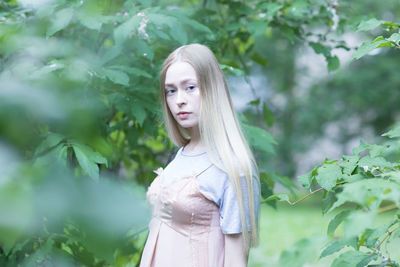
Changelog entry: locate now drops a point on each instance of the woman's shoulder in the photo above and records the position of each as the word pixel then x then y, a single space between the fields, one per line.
pixel 214 181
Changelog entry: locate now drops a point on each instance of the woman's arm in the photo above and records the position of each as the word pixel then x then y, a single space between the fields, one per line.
pixel 235 256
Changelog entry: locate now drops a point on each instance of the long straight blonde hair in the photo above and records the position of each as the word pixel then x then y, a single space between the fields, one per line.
pixel 219 128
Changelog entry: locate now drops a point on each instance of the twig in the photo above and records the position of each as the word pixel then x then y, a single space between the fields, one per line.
pixel 248 81
pixel 309 194
pixel 388 234
pixel 306 196
pixel 246 74
pixel 389 207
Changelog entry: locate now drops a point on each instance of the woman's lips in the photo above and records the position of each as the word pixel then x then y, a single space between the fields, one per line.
pixel 183 115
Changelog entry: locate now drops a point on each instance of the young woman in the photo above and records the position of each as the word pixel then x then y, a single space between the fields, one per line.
pixel 205 203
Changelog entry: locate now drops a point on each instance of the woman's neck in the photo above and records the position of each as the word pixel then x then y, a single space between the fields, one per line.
pixel 195 144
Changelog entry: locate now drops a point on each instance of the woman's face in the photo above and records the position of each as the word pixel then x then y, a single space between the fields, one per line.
pixel 182 94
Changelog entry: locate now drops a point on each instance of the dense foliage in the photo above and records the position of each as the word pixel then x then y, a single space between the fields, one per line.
pixel 362 186
pixel 81 131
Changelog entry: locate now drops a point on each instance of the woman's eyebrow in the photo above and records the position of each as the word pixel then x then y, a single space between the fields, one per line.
pixel 189 81
pixel 169 85
pixel 185 81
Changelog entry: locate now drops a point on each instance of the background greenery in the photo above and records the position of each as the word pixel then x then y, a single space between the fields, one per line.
pixel 81 128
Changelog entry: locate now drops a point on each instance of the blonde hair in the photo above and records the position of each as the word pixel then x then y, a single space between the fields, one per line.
pixel 219 128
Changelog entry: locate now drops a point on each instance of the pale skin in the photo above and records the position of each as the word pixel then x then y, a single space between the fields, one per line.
pixel 184 101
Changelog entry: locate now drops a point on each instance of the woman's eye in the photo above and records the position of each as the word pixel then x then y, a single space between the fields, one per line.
pixel 192 87
pixel 170 91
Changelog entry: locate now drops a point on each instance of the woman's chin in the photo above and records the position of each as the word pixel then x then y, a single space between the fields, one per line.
pixel 187 124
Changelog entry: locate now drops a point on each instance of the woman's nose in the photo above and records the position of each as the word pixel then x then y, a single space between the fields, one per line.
pixel 180 98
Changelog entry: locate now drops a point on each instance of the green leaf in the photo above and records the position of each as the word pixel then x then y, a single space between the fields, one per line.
pixel 320 49
pixel 352 178
pixel 394 175
pixel 179 33
pixel 88 159
pixel 366 47
pixel 395 37
pixel 231 70
pixel 337 245
pixel 289 33
pixel 162 19
pixel 268 116
pixel 259 59
pixel 93 155
pixel 395 132
pixel 333 63
pixel 176 29
pixel 357 222
pixel 255 102
pixel 117 76
pixel 328 200
pixel 376 150
pixel 193 24
pixel 299 8
pixel 89 166
pixel 121 102
pixel 267 185
pixel 144 49
pixel 368 193
pixel 327 176
pixel 162 35
pixel 126 29
pixel 336 221
pixel 373 235
pixel 353 259
pixel 374 162
pixel 306 179
pixel 139 72
pixel 365 261
pixel 132 70
pixel 369 24
pixel 259 138
pixel 327 161
pixel 357 150
pixel 279 197
pixel 63 155
pixel 271 8
pixel 257 28
pixel 266 191
pixel 91 22
pixel 60 20
pixel 284 181
pixel 90 15
pixel 234 27
pixel 51 140
pixel 349 163
pixel 50 67
pixel 110 54
pixel 139 112
pixel 52 155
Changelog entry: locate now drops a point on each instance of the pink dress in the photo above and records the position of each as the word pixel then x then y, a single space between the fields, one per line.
pixel 185 226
